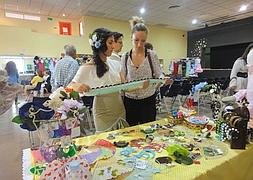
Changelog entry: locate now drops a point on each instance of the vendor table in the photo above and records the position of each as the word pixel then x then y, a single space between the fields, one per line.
pixel 234 165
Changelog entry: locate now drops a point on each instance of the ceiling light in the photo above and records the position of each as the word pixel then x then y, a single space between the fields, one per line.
pixel 63 15
pixel 14 15
pixel 243 8
pixel 22 16
pixel 194 21
pixel 30 17
pixel 142 10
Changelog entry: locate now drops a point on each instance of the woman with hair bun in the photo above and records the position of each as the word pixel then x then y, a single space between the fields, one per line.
pixel 108 110
pixel 137 64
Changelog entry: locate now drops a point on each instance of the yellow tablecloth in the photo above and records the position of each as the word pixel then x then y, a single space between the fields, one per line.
pixel 235 165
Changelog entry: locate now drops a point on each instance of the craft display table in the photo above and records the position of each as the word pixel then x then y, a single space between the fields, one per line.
pixel 233 165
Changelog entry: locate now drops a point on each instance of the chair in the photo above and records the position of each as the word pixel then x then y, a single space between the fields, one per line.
pixel 173 93
pixel 186 87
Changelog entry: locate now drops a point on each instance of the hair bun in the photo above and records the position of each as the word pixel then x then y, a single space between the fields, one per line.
pixel 135 20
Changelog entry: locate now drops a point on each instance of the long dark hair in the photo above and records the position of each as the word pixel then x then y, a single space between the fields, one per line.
pixel 11 68
pixel 99 46
pixel 246 52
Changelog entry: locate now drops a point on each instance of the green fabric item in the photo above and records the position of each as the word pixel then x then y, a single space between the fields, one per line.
pixel 17 119
pixel 74 95
pixel 173 148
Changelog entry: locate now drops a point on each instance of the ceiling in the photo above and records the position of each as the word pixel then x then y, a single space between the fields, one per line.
pixel 208 12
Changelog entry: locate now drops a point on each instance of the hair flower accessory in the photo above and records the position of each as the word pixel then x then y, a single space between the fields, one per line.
pixel 94 41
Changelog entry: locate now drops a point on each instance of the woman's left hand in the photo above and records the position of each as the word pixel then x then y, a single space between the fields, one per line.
pixel 168 81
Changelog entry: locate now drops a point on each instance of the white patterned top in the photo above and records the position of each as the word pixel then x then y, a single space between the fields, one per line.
pixel 143 71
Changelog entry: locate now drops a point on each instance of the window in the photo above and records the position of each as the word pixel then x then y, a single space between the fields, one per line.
pixel 23 63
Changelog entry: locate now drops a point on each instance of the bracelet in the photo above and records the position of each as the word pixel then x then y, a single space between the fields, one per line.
pixel 236 120
pixel 232 119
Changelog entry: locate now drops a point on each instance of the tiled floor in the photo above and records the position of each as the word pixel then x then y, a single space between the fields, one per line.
pixel 12 140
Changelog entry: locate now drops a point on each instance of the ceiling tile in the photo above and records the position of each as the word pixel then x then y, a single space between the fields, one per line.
pixel 157 12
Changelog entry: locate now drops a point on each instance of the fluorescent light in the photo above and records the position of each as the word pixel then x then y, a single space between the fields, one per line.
pixel 14 15
pixel 142 10
pixel 81 28
pixel 33 18
pixel 63 15
pixel 22 16
pixel 243 8
pixel 194 21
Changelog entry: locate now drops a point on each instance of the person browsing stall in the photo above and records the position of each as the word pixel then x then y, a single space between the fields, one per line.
pixel 66 68
pixel 13 76
pixel 137 64
pixel 35 80
pixel 108 110
pixel 239 72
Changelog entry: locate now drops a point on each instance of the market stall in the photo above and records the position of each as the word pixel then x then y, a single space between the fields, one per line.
pixel 210 158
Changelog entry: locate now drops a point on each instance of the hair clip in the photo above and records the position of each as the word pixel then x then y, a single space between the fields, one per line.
pixel 146 153
pixel 149 138
pixel 148 130
pixel 111 136
pixel 127 151
pixel 121 144
pixel 163 160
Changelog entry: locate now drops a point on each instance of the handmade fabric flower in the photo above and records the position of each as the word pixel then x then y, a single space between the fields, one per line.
pixel 97 44
pixel 55 99
pixel 67 106
pixel 94 41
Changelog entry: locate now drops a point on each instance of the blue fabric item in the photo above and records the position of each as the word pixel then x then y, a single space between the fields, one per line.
pixel 41 115
pixel 145 174
pixel 37 104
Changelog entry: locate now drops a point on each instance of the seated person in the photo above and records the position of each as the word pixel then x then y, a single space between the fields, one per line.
pixel 47 83
pixel 35 80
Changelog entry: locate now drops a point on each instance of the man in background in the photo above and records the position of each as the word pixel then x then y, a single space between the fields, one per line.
pixel 66 68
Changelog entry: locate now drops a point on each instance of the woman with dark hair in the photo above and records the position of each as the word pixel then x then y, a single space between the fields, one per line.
pixel 239 72
pixel 108 110
pixel 13 76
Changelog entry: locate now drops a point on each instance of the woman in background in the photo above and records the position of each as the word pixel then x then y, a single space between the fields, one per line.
pixel 239 72
pixel 13 76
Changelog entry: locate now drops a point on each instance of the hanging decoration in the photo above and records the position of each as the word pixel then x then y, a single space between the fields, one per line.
pixel 197 47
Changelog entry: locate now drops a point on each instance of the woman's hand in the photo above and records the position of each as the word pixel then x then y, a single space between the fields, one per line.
pixel 145 84
pixel 168 81
pixel 80 87
pixel 83 88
